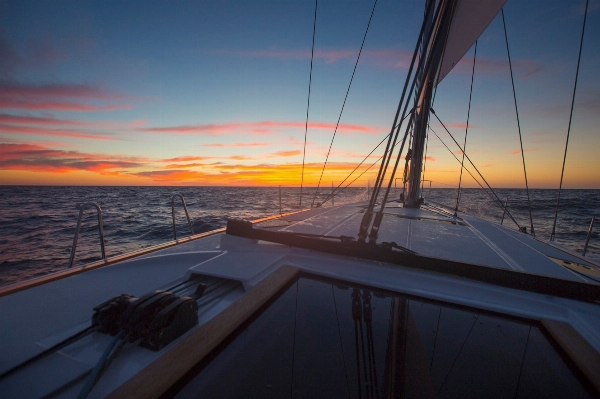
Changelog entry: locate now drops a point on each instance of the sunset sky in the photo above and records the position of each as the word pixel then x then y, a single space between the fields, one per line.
pixel 215 92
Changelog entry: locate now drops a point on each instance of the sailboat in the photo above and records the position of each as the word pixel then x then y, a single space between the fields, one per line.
pixel 379 298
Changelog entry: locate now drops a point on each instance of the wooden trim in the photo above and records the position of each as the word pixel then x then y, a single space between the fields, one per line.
pixel 23 285
pixel 584 355
pixel 165 371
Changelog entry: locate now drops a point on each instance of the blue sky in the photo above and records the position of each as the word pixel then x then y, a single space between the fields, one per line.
pixel 215 92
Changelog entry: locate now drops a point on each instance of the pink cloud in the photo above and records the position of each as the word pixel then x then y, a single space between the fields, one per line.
pixel 459 125
pixel 37 158
pixel 79 91
pixel 391 58
pixel 267 126
pixel 17 129
pixel 523 68
pixel 516 152
pixel 60 97
pixel 51 121
pixel 254 144
pixel 185 159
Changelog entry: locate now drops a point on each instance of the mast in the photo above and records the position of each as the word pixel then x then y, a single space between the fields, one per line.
pixel 458 26
pixel 427 82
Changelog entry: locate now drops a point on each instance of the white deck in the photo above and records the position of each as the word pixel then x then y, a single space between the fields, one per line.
pixel 39 317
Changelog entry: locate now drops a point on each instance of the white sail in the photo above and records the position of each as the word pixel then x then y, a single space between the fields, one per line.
pixel 470 19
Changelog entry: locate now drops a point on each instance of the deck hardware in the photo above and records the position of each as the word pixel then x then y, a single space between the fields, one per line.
pixel 186 214
pixel 100 229
pixel 504 211
pixel 156 318
pixel 587 240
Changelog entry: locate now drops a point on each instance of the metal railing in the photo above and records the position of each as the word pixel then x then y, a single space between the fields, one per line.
pixel 504 211
pixel 100 229
pixel 587 240
pixel 186 214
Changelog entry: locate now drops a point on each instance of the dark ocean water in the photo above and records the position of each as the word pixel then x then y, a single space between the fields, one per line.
pixel 37 224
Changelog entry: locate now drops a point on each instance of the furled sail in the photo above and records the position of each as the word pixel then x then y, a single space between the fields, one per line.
pixel 471 18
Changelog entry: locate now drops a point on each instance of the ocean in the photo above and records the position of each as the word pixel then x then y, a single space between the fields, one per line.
pixel 37 223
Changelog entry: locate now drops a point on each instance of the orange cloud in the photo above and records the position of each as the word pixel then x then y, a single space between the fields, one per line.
pixel 185 159
pixel 292 153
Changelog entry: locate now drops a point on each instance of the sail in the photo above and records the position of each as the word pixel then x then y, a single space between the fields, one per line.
pixel 471 18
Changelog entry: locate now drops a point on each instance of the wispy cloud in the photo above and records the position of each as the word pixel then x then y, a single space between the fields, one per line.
pixel 61 97
pixel 37 158
pixel 523 68
pixel 391 58
pixel 278 154
pixel 242 144
pixel 262 174
pixel 518 152
pixel 36 54
pixel 262 127
pixel 186 159
pixel 387 58
pixel 38 131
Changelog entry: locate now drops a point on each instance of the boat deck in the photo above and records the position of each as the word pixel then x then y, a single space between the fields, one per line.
pixel 38 317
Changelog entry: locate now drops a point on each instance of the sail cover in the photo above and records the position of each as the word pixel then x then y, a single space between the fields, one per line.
pixel 471 18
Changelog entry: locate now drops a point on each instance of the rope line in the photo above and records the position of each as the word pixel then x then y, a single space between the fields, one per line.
pixel 466 132
pixel 570 120
pixel 344 104
pixel 518 123
pixel 312 53
pixel 471 162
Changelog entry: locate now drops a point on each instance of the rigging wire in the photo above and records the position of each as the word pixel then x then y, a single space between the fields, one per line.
pixel 570 120
pixel 388 153
pixel 471 162
pixel 312 53
pixel 425 73
pixel 344 103
pixel 366 221
pixel 358 166
pixel 425 158
pixel 427 142
pixel 462 163
pixel 518 123
pixel 468 171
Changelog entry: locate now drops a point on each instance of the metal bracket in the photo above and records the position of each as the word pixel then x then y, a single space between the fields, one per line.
pixel 186 214
pixel 100 229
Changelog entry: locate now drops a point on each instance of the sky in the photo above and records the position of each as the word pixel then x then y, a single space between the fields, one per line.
pixel 215 93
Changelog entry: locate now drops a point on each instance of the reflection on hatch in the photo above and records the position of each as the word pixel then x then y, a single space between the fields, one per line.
pixel 324 340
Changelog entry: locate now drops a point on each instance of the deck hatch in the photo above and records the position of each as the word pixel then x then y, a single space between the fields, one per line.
pixel 317 340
